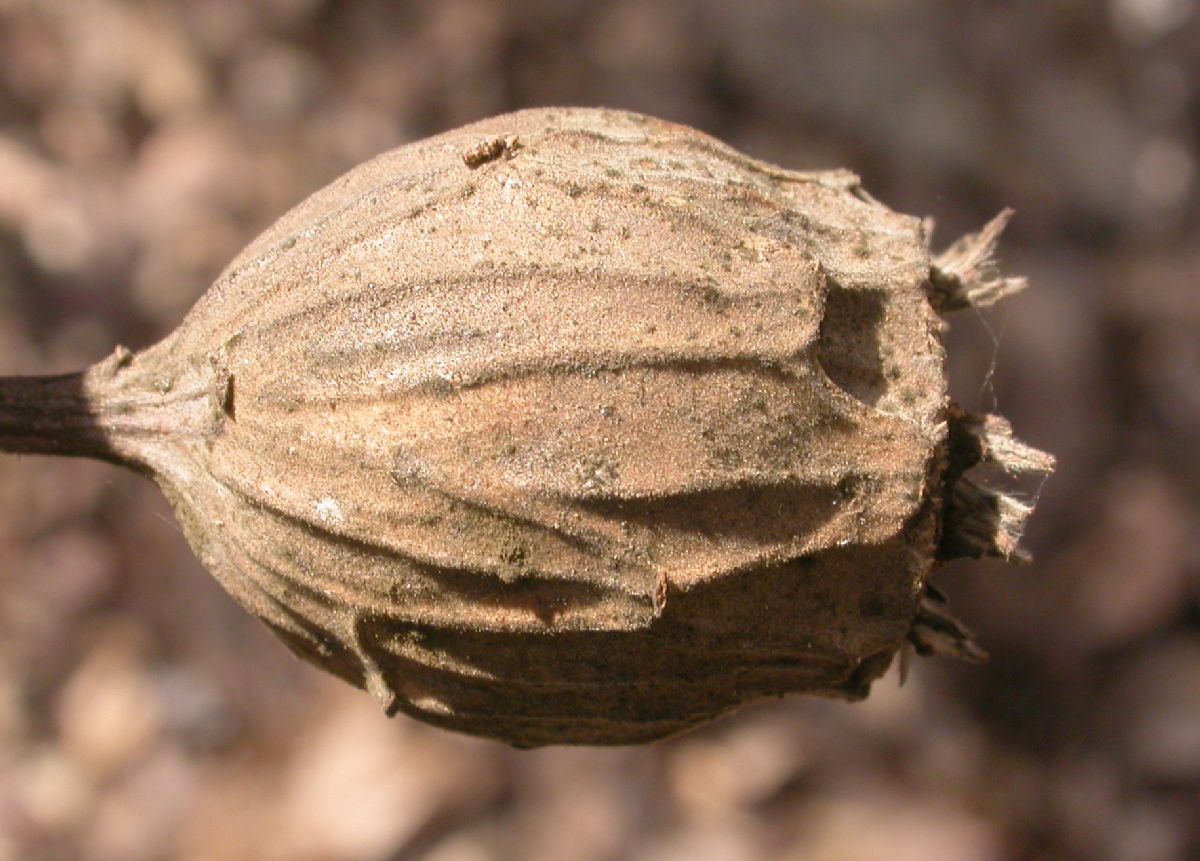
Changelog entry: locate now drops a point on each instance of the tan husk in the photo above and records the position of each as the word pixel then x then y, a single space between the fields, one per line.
pixel 573 426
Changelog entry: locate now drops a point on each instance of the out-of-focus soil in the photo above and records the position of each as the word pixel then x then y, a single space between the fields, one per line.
pixel 144 716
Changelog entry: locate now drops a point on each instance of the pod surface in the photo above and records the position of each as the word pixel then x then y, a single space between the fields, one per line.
pixel 570 426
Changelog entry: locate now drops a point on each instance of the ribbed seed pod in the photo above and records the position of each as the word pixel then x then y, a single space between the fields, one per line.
pixel 571 426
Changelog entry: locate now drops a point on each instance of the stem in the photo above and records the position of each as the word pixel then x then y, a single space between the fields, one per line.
pixel 50 415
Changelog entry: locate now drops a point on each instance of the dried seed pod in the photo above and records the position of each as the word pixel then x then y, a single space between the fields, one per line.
pixel 571 426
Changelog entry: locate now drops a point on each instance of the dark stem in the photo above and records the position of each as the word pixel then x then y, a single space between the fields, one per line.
pixel 51 415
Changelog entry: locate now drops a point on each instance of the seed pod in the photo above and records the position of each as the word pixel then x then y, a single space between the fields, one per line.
pixel 571 426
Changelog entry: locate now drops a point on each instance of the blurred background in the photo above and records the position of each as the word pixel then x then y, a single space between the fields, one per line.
pixel 144 716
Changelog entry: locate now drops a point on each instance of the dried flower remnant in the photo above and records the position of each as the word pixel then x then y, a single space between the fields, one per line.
pixel 583 440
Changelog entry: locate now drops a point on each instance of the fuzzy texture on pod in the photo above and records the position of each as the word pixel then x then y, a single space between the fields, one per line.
pixel 570 426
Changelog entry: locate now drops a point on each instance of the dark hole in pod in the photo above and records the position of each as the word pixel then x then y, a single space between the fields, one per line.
pixel 849 348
